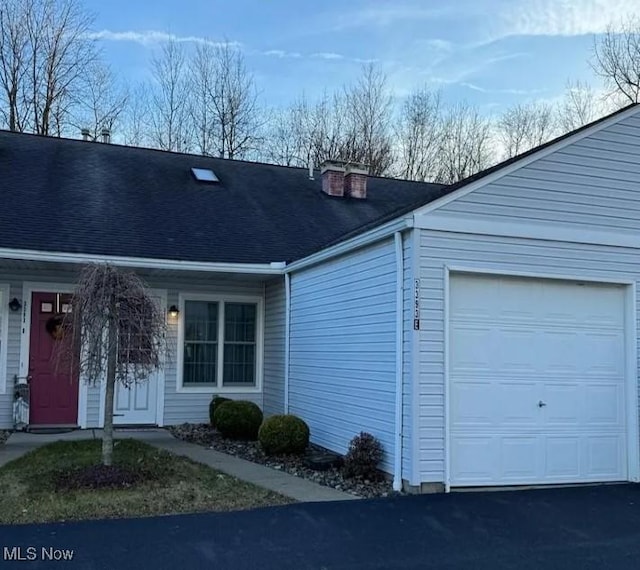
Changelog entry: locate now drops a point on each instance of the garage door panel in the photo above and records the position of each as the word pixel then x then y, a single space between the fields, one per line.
pixel 563 405
pixel 513 347
pixel 562 457
pixel 604 405
pixel 517 404
pixel 519 458
pixel 536 373
pixel 473 458
pixel 473 404
pixel 604 456
pixel 474 350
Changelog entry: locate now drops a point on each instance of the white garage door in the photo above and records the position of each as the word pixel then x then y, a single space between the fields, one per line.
pixel 536 371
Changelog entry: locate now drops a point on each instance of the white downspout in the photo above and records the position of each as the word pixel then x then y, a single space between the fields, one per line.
pixel 397 468
pixel 287 324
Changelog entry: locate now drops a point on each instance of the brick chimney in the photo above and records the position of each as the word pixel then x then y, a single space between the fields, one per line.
pixel 355 181
pixel 332 174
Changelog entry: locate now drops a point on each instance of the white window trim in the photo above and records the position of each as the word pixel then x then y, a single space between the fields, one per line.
pixel 4 335
pixel 219 389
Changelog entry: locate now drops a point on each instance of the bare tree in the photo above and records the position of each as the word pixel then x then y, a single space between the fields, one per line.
pixel 102 101
pixel 525 126
pixel 202 110
pixel 418 134
pixel 115 325
pixel 235 104
pixel 44 54
pixel 169 105
pixel 283 141
pixel 136 117
pixel 465 146
pixel 616 58
pixel 580 105
pixel 367 109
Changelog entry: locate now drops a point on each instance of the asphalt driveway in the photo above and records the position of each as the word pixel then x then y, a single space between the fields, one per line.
pixel 573 528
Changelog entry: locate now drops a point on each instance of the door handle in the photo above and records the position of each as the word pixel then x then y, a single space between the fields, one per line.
pixel 541 404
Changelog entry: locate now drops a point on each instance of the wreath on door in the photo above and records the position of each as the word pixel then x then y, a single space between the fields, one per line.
pixel 55 326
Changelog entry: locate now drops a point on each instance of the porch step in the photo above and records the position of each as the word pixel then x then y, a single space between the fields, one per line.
pixel 51 428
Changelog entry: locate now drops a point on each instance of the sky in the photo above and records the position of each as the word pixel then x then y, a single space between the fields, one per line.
pixel 491 53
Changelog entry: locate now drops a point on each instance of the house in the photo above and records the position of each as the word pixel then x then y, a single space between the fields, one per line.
pixel 485 332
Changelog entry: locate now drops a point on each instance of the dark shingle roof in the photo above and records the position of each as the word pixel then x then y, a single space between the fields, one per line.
pixel 93 198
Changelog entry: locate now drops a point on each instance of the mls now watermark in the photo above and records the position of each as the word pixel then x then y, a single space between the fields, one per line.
pixel 31 553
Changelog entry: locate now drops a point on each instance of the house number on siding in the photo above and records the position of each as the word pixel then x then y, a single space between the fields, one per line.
pixel 416 305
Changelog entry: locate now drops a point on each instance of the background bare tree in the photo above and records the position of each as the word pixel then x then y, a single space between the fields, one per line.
pixel 44 55
pixel 237 117
pixel 465 146
pixel 102 101
pixel 368 109
pixel 525 126
pixel 616 58
pixel 115 325
pixel 418 134
pixel 136 116
pixel 169 104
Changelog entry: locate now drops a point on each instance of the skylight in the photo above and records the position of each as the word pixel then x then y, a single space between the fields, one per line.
pixel 204 175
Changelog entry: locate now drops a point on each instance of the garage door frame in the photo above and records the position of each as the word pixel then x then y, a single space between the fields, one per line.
pixel 631 354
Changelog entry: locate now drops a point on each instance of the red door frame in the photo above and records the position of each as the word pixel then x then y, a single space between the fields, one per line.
pixel 53 394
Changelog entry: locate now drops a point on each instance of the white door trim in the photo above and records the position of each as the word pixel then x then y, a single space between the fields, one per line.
pixel 162 294
pixel 631 352
pixel 28 288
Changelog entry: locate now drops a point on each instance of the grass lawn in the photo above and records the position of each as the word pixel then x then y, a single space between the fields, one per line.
pixel 34 488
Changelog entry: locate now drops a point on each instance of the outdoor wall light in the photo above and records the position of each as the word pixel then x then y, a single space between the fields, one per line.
pixel 15 305
pixel 174 311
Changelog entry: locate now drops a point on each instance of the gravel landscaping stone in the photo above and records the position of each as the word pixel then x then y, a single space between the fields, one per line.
pixel 205 435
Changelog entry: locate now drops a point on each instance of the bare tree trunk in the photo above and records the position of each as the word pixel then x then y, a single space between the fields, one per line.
pixel 107 437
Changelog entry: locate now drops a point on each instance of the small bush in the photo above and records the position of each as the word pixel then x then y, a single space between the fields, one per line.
pixel 363 457
pixel 238 419
pixel 213 406
pixel 284 435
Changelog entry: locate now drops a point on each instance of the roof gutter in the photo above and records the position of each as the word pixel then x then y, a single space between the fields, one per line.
pixel 274 268
pixel 377 234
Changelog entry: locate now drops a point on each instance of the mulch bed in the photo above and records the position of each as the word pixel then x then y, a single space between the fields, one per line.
pixel 99 477
pixel 205 435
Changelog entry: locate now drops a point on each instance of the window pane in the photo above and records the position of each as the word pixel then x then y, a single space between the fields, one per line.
pixel 239 364
pixel 201 321
pixel 240 322
pixel 200 363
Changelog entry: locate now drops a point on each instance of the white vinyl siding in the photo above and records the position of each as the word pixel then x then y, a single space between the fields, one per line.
pixel 274 349
pixel 592 183
pixel 4 335
pixel 342 365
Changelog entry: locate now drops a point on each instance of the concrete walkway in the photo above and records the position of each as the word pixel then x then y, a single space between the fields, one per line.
pixel 296 488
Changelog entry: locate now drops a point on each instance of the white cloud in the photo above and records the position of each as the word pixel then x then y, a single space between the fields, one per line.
pixel 151 37
pixel 327 55
pixel 562 17
pixel 282 54
pixel 507 91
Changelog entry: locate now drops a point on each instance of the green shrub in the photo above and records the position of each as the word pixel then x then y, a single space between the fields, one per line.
pixel 238 419
pixel 213 406
pixel 284 435
pixel 363 457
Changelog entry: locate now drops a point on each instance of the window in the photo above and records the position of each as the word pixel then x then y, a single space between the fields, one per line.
pixel 239 344
pixel 219 344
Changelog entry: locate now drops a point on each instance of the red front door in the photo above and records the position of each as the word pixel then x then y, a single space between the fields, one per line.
pixel 53 393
